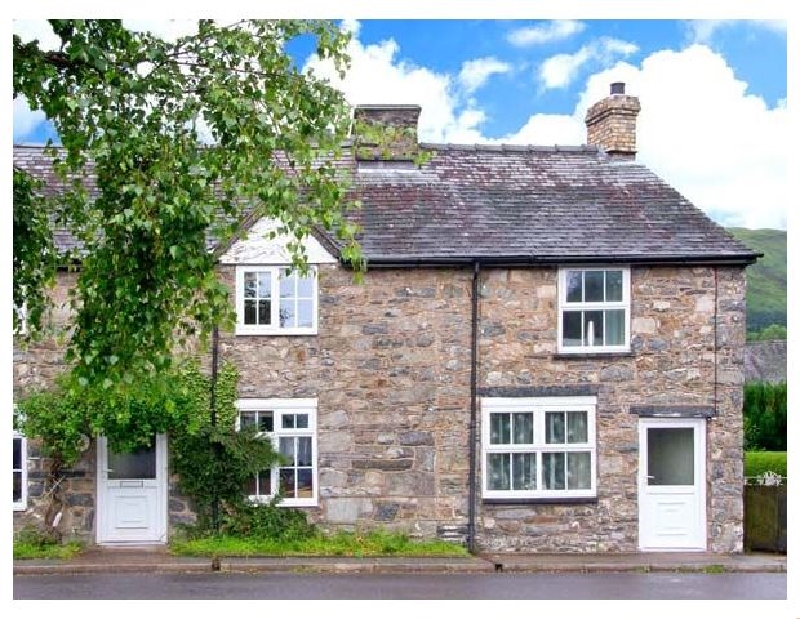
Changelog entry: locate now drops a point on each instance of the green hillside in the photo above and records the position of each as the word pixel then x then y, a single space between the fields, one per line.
pixel 766 280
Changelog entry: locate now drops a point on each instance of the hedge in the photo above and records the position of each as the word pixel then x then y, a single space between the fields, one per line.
pixel 765 416
pixel 759 462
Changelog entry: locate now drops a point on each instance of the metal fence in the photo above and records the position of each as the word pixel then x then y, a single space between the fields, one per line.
pixel 765 515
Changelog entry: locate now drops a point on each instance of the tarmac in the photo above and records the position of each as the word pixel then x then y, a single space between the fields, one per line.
pixel 159 560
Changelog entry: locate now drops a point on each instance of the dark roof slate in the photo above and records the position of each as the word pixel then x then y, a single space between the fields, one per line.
pixel 521 203
pixel 535 203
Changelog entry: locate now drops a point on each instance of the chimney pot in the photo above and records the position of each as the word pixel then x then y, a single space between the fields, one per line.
pixel 618 88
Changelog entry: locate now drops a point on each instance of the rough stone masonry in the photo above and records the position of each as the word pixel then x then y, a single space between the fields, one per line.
pixel 390 367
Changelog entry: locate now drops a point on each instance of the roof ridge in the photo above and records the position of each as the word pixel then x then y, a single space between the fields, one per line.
pixel 586 149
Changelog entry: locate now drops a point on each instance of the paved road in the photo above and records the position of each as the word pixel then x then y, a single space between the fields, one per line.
pixel 401 587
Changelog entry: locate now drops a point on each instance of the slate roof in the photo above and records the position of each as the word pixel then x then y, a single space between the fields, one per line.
pixel 542 204
pixel 765 361
pixel 516 204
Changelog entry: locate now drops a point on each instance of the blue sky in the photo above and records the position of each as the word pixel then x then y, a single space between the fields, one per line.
pixel 713 92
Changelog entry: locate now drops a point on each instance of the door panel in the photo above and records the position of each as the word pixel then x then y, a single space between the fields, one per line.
pixel 132 493
pixel 672 484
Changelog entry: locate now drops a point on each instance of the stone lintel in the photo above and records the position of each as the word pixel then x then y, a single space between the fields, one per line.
pixel 539 392
pixel 676 412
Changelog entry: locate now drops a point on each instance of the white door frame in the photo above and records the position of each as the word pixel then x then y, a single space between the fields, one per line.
pixel 699 426
pixel 162 480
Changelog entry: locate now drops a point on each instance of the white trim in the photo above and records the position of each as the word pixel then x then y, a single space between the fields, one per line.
pixel 538 407
pixel 162 480
pixel 22 319
pixel 258 248
pixel 624 304
pixel 283 405
pixel 22 504
pixel 699 427
pixel 273 328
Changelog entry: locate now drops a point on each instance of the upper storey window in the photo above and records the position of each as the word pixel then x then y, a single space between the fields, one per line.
pixel 594 306
pixel 275 300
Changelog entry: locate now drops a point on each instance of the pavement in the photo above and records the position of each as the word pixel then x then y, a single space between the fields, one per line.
pixel 159 560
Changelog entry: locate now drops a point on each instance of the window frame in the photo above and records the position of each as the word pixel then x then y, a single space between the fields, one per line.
pixel 277 406
pixel 274 328
pixel 22 319
pixel 584 306
pixel 22 504
pixel 539 406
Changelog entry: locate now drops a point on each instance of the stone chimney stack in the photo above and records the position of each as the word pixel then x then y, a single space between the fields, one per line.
pixel 611 123
pixel 386 132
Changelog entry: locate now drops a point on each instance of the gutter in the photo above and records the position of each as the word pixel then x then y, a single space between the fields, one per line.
pixel 473 414
pixel 393 262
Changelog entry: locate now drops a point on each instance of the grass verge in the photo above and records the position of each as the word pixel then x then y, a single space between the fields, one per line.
pixel 341 544
pixel 32 550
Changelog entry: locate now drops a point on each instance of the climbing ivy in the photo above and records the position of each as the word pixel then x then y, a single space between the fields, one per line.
pixel 213 460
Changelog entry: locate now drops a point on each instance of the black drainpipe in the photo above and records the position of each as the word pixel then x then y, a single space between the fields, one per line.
pixel 716 346
pixel 473 414
pixel 213 406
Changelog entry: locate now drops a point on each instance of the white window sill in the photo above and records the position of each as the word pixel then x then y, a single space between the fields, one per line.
pixel 242 330
pixel 595 350
pixel 532 497
pixel 19 507
pixel 264 500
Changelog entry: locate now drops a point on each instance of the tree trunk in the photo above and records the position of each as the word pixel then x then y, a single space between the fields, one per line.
pixel 53 513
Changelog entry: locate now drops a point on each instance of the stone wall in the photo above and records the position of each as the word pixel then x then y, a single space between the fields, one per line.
pixel 390 367
pixel 79 485
pixel 37 365
pixel 672 364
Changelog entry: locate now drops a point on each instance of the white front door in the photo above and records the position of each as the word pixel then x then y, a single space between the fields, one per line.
pixel 132 494
pixel 672 493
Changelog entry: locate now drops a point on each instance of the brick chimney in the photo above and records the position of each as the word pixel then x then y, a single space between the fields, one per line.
pixel 396 136
pixel 611 123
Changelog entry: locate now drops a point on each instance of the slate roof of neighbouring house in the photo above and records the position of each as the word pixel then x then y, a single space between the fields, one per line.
pixel 765 361
pixel 516 204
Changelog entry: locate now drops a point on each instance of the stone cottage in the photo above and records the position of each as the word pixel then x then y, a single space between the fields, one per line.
pixel 546 355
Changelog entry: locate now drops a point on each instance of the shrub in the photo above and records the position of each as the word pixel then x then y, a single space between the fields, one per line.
pixel 268 521
pixel 759 462
pixel 765 416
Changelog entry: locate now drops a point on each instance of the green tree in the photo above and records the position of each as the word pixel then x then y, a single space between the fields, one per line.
pixel 772 332
pixel 185 139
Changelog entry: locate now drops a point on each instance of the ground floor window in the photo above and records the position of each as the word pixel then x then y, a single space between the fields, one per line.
pixel 291 425
pixel 19 471
pixel 539 447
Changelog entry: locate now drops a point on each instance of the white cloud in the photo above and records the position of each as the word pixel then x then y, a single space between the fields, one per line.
pixel 167 29
pixel 560 70
pixel 702 30
pixel 475 73
pixel 30 29
pixel 556 30
pixel 376 75
pixel 724 149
